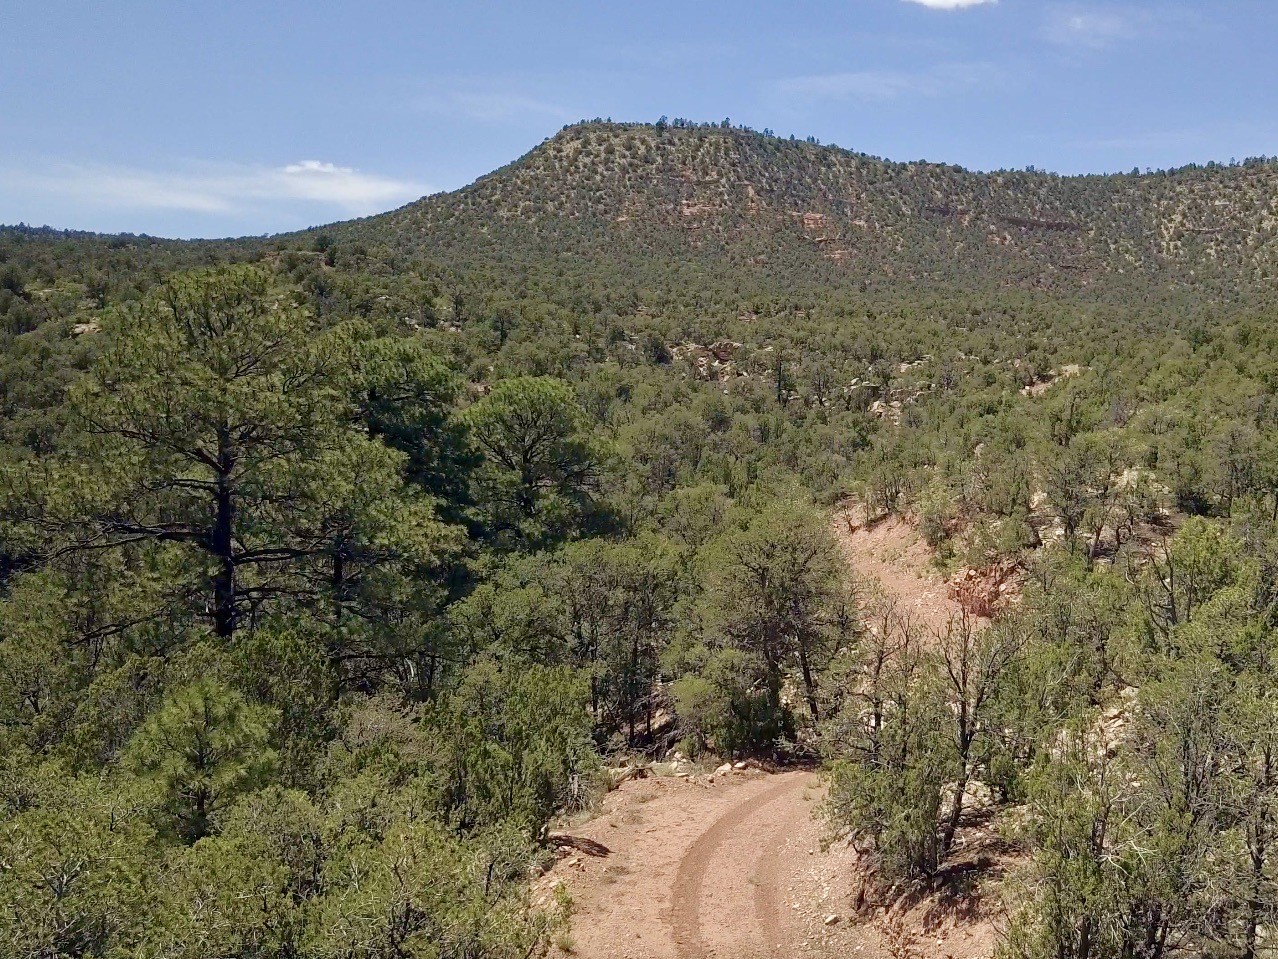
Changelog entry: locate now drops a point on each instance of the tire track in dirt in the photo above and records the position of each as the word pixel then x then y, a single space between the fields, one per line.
pixel 697 935
pixel 776 869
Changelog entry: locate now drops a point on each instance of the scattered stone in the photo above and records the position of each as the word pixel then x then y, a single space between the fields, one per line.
pixel 831 920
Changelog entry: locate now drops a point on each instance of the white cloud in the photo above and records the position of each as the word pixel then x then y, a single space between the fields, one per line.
pixel 879 85
pixel 220 188
pixel 320 182
pixel 950 4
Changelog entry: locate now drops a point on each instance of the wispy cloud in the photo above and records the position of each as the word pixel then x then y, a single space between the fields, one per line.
pixel 219 188
pixel 1094 29
pixel 950 4
pixel 879 85
pixel 1098 27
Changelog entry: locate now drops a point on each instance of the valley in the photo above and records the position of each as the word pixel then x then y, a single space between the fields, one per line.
pixel 345 572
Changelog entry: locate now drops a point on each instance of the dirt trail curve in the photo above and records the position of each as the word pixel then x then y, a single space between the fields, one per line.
pixel 698 869
pixel 731 866
pixel 890 553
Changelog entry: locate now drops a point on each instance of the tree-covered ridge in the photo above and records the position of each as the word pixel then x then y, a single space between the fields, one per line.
pixel 737 199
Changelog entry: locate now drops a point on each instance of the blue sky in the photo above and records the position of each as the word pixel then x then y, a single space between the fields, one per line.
pixel 213 119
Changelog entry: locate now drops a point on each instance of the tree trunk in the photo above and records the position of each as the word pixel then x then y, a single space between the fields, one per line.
pixel 809 686
pixel 966 735
pixel 223 550
pixel 956 813
pixel 339 583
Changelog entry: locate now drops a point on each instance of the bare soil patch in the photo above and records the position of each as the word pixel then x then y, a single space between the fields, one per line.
pixel 694 867
pixel 889 552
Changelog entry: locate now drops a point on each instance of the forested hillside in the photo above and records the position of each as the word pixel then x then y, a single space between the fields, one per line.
pixel 788 213
pixel 335 565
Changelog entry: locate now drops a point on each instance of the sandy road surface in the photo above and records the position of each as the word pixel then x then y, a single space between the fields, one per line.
pixel 726 899
pixel 729 869
pixel 890 553
pixel 735 869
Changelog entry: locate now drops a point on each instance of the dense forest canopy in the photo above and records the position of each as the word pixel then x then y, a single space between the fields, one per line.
pixel 334 565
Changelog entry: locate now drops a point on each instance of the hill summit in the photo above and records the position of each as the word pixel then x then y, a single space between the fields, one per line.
pixel 623 195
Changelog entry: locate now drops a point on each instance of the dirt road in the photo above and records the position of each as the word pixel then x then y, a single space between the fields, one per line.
pixel 674 868
pixel 727 895
pixel 694 869
pixel 890 554
pixel 731 866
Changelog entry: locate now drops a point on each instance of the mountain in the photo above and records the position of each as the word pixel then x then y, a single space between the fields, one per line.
pixel 670 207
pixel 651 200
